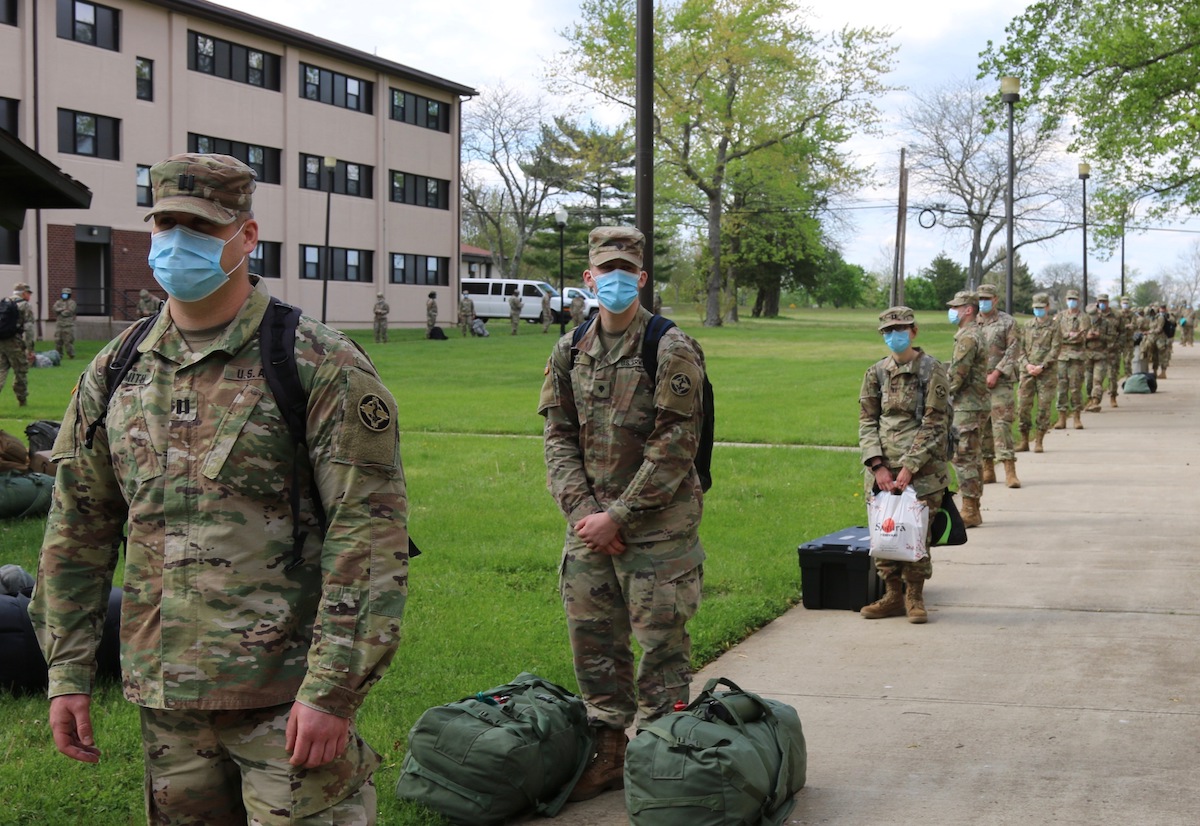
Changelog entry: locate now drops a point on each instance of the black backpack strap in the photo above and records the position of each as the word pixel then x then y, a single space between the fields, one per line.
pixel 656 328
pixel 277 341
pixel 577 336
pixel 118 367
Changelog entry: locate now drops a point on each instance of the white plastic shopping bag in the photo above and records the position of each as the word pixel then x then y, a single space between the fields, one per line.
pixel 899 525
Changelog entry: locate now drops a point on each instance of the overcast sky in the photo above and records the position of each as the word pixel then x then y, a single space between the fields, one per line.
pixel 481 44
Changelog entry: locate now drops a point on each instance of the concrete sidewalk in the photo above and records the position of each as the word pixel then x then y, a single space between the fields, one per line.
pixel 1058 679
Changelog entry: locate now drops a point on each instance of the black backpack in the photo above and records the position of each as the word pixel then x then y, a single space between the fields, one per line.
pixel 10 319
pixel 656 328
pixel 1168 327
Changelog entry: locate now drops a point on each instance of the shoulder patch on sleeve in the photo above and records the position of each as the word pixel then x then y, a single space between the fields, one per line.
pixel 368 432
pixel 681 381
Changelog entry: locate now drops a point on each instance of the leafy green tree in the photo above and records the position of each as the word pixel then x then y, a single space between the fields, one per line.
pixel 1124 76
pixel 920 294
pixel 840 283
pixel 947 277
pixel 1147 293
pixel 732 78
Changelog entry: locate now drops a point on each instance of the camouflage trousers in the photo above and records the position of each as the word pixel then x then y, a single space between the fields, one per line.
pixel 464 325
pixel 381 326
pixel 1187 334
pixel 968 457
pixel 1151 355
pixel 515 320
pixel 1164 353
pixel 1041 389
pixel 609 598
pixel 998 438
pixel 1114 373
pixel 64 339
pixel 13 356
pixel 914 571
pixel 547 319
pixel 1070 385
pixel 1099 368
pixel 1126 359
pixel 221 768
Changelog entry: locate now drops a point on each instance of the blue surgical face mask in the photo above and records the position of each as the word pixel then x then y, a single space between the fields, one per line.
pixel 1124 305
pixel 985 305
pixel 952 315
pixel 897 340
pixel 616 290
pixel 1073 303
pixel 66 296
pixel 1039 312
pixel 187 264
pixel 1102 305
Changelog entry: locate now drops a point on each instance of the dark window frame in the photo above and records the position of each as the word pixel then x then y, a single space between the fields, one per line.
pixel 145 192
pixel 8 12
pixel 267 171
pixel 266 259
pixel 105 135
pixel 232 61
pixel 145 85
pixel 10 111
pixel 418 110
pixel 340 268
pixel 334 88
pixel 10 246
pixel 415 190
pixel 423 270
pixel 103 30
pixel 343 181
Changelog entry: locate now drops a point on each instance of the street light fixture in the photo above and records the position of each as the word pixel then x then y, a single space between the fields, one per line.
pixel 1085 172
pixel 560 218
pixel 1010 93
pixel 330 164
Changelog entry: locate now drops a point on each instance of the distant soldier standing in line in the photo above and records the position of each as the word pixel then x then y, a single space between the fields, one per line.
pixel 1187 326
pixel 547 313
pixel 1116 323
pixel 577 305
pixel 899 449
pixel 1040 343
pixel 972 402
pixel 466 314
pixel 1073 325
pixel 28 322
pixel 13 355
pixel 1166 343
pixel 1096 344
pixel 1004 355
pixel 514 311
pixel 430 313
pixel 381 318
pixel 64 324
pixel 147 304
pixel 1129 327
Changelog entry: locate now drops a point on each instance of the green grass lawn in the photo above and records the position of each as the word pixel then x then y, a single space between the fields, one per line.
pixel 483 604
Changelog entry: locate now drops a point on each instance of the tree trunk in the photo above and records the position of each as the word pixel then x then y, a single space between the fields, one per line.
pixel 712 308
pixel 771 302
pixel 731 315
pixel 760 299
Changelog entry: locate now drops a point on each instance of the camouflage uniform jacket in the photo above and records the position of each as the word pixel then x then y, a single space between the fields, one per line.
pixel 1072 328
pixel 1001 343
pixel 28 334
pixel 617 440
pixel 65 309
pixel 888 424
pixel 195 465
pixel 968 371
pixel 1040 340
pixel 466 309
pixel 147 306
pixel 1115 333
pixel 430 311
pixel 381 309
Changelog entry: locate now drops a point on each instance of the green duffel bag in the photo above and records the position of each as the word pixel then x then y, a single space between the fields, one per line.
pixel 25 494
pixel 730 758
pixel 512 749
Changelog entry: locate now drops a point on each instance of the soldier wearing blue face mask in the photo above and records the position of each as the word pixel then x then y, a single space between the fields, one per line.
pixel 1073 326
pixel 1040 343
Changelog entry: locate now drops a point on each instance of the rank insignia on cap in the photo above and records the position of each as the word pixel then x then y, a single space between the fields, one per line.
pixel 681 385
pixel 374 413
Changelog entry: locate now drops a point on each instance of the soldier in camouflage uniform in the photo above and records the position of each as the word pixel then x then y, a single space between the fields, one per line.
pixel 64 324
pixel 999 331
pixel 1112 352
pixel 547 313
pixel 147 304
pixel 1073 326
pixel 620 459
pixel 1166 343
pixel 381 319
pixel 430 313
pixel 1096 346
pixel 13 354
pixel 899 449
pixel 514 311
pixel 466 314
pixel 1040 343
pixel 28 322
pixel 577 307
pixel 1129 327
pixel 972 402
pixel 249 642
pixel 1153 341
pixel 1187 326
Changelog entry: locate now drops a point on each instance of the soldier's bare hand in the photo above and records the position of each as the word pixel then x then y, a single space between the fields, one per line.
pixel 598 530
pixel 992 378
pixel 71 725
pixel 315 737
pixel 883 478
pixel 903 480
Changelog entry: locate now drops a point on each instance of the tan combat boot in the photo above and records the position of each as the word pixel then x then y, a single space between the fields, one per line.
pixel 1037 442
pixel 606 772
pixel 970 513
pixel 1022 445
pixel 989 472
pixel 1078 423
pixel 1112 401
pixel 891 604
pixel 1164 372
pixel 1061 424
pixel 1010 474
pixel 914 601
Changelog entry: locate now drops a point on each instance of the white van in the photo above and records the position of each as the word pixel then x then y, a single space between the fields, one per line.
pixel 491 296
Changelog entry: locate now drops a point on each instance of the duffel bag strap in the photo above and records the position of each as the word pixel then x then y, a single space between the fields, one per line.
pixel 712 802
pixel 483 801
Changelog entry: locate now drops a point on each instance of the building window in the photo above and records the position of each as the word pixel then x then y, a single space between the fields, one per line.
pixel 145 79
pixel 8 12
pixel 233 61
pixel 8 114
pixel 348 178
pixel 335 88
pixel 264 260
pixel 82 133
pixel 345 264
pixel 145 196
pixel 89 23
pixel 420 190
pixel 10 246
pixel 420 111
pixel 264 160
pixel 430 270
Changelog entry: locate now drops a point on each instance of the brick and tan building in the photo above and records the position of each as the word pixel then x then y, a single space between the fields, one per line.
pixel 105 90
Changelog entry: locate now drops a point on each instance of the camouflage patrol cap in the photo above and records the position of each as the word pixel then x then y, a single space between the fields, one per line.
pixel 214 187
pixel 1122 298
pixel 21 287
pixel 896 317
pixel 432 294
pixel 987 290
pixel 144 293
pixel 612 243
pixel 66 290
pixel 1073 294
pixel 1041 300
pixel 962 298
pixel 1102 297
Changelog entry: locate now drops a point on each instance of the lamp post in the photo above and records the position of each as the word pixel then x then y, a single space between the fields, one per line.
pixel 1085 172
pixel 1010 93
pixel 560 218
pixel 330 163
